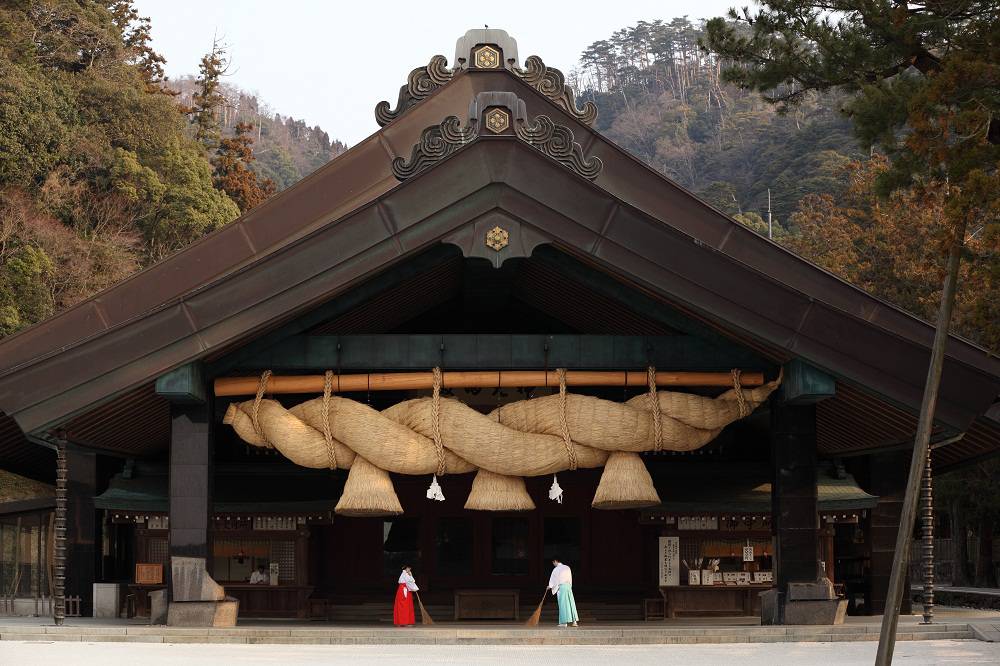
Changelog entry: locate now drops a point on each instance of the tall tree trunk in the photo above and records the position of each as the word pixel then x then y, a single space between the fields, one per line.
pixel 985 574
pixel 960 539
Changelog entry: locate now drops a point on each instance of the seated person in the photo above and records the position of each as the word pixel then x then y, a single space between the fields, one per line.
pixel 260 576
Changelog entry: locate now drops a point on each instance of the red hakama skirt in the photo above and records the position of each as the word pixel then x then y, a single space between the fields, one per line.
pixel 402 610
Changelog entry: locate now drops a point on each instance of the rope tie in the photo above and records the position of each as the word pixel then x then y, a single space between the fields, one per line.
pixel 654 405
pixel 564 422
pixel 741 400
pixel 436 421
pixel 261 389
pixel 331 452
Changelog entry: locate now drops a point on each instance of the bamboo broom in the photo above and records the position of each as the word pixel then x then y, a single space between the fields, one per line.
pixel 425 617
pixel 537 615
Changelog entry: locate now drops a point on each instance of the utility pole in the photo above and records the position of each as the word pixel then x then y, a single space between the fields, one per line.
pixel 921 449
pixel 769 228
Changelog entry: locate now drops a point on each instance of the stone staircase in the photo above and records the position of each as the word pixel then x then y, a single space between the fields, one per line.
pixel 475 633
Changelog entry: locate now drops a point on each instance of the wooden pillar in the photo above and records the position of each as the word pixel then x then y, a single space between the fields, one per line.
pixel 191 469
pixel 829 533
pixel 81 526
pixel 190 503
pixel 793 495
pixel 887 480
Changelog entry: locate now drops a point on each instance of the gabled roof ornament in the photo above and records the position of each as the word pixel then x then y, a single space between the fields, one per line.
pixel 501 113
pixel 486 48
pixel 436 143
pixel 558 142
pixel 552 83
pixel 421 82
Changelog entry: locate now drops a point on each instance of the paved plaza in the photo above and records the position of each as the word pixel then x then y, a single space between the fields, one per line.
pixel 43 653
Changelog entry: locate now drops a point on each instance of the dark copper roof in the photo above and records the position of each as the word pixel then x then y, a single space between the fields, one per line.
pixel 352 218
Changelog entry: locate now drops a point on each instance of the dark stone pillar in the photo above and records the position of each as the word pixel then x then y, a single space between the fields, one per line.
pixel 81 527
pixel 887 480
pixel 793 496
pixel 190 481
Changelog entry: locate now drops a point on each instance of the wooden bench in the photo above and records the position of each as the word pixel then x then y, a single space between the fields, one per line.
pixel 487 605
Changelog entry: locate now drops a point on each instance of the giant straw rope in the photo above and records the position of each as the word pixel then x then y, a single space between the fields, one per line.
pixel 532 437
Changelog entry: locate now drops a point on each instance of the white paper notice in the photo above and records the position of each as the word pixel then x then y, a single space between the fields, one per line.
pixel 670 561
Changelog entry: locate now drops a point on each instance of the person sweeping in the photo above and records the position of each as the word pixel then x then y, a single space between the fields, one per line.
pixel 561 584
pixel 402 610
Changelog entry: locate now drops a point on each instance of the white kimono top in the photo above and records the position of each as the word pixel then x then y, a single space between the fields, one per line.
pixel 257 577
pixel 407 579
pixel 560 574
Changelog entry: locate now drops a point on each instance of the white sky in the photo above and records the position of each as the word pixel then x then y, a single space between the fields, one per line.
pixel 330 62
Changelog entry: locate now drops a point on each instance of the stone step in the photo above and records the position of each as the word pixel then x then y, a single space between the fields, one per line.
pixel 460 635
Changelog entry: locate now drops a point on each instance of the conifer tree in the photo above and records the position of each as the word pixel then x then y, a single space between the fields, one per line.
pixel 136 33
pixel 208 100
pixel 233 174
pixel 925 79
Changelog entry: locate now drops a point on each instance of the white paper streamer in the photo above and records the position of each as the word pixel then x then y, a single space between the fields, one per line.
pixel 434 490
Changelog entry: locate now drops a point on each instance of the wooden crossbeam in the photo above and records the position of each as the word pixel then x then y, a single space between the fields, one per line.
pixel 406 381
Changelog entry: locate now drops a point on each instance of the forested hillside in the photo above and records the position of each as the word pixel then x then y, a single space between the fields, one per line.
pixel 104 168
pixel 661 97
pixel 285 149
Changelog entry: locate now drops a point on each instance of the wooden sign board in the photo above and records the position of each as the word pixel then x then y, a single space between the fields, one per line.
pixel 148 574
pixel 670 561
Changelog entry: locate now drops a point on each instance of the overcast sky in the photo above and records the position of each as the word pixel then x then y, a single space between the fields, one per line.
pixel 330 62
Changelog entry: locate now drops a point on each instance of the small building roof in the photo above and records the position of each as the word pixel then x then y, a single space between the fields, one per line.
pixel 240 489
pixel 19 494
pixel 694 489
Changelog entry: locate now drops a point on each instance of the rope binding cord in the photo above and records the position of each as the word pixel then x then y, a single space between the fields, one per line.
pixel 654 405
pixel 261 389
pixel 331 451
pixel 564 422
pixel 434 491
pixel 741 401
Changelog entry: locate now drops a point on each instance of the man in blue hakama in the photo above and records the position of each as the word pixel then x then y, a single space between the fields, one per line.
pixel 561 584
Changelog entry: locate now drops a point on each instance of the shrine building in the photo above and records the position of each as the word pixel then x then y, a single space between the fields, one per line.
pixel 483 337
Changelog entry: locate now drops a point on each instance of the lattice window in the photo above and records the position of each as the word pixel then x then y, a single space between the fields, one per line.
pixel 158 551
pixel 283 552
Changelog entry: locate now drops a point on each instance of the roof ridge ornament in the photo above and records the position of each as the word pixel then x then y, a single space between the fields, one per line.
pixel 552 83
pixel 421 82
pixel 436 143
pixel 557 141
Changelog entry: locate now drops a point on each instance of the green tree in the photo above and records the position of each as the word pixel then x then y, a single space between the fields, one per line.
pixel 136 35
pixel 233 174
pixel 208 100
pixel 925 83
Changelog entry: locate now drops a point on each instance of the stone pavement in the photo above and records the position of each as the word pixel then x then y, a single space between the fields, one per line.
pixel 950 624
pixel 919 653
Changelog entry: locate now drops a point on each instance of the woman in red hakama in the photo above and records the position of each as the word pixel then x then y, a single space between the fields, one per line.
pixel 402 610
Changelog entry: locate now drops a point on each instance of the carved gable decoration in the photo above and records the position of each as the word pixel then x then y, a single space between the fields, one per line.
pixel 419 84
pixel 498 111
pixel 474 49
pixel 436 143
pixel 557 141
pixel 550 82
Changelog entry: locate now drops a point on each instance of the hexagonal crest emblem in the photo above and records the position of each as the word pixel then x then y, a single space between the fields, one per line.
pixel 497 120
pixel 487 57
pixel 497 238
